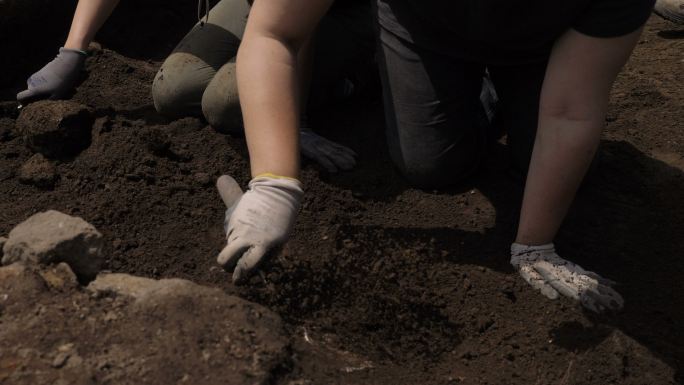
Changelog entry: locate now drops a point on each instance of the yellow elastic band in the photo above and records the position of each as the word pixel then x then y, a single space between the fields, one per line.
pixel 275 176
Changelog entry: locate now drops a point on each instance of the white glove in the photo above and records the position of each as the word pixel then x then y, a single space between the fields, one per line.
pixel 332 156
pixel 256 221
pixel 672 10
pixel 542 268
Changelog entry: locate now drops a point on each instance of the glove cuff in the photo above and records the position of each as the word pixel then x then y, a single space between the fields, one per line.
pixel 269 175
pixel 289 188
pixel 75 51
pixel 517 248
pixel 528 254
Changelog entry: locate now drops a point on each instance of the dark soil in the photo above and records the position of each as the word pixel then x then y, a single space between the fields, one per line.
pixel 383 283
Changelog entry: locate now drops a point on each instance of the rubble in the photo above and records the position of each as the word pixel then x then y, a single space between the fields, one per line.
pixel 53 237
pixel 56 128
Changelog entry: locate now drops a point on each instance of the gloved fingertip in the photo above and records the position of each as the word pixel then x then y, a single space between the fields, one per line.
pixel 230 255
pixel 350 152
pixel 549 292
pixel 25 96
pixel 238 276
pixel 327 164
pixel 228 189
pixel 347 163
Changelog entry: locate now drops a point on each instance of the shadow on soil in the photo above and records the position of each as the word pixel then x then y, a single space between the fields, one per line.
pixel 626 224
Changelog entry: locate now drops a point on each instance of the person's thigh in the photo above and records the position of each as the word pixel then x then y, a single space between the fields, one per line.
pixel 183 77
pixel 344 49
pixel 431 103
pixel 518 88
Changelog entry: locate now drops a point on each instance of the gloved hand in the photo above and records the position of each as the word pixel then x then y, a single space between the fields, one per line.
pixel 332 156
pixel 56 79
pixel 542 268
pixel 672 10
pixel 256 221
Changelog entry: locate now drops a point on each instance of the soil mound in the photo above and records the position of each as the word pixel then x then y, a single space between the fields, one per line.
pixel 382 283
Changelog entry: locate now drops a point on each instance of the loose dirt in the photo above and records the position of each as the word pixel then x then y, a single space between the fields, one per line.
pixel 383 283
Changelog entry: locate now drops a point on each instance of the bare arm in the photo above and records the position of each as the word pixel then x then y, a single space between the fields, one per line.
pixel 268 80
pixel 574 99
pixel 88 19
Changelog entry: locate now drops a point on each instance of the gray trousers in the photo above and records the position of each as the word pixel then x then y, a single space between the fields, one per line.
pixel 198 78
pixel 432 107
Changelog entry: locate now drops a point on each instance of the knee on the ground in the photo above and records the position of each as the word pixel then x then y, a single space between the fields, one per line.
pixel 441 170
pixel 222 110
pixel 221 104
pixel 175 91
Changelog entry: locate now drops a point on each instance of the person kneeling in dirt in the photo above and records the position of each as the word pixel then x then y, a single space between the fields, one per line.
pixel 199 77
pixel 552 64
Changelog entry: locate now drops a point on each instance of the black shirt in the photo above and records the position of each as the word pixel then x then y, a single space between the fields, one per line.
pixel 506 31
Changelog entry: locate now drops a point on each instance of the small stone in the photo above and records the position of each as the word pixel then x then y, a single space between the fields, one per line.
pixel 38 171
pixel 53 237
pixel 203 179
pixel 94 47
pixel 18 282
pixel 74 361
pixel 110 316
pixel 56 128
pixel 60 359
pixel 60 277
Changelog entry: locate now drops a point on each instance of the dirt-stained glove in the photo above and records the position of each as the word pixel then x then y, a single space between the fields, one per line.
pixel 542 268
pixel 256 221
pixel 332 156
pixel 672 10
pixel 56 79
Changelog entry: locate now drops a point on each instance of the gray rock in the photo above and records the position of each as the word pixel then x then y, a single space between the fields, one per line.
pixel 136 287
pixel 53 237
pixel 19 282
pixel 56 128
pixel 38 171
pixel 59 276
pixel 3 240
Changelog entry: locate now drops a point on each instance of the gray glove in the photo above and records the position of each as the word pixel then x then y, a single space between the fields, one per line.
pixel 332 156
pixel 672 10
pixel 56 79
pixel 542 268
pixel 256 221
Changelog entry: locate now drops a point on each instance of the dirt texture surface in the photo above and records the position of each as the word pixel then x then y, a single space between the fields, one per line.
pixel 381 283
pixel 149 332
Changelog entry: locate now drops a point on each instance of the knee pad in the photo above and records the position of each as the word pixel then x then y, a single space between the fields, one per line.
pixel 221 103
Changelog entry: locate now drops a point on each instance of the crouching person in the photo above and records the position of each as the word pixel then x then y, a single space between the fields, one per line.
pixel 199 77
pixel 553 75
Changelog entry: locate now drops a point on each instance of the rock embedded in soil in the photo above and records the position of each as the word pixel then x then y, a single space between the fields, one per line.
pixel 56 128
pixel 138 331
pixel 136 287
pixel 53 237
pixel 3 240
pixel 38 171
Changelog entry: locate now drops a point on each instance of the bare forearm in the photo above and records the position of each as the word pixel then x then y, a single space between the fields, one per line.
pixel 269 97
pixel 573 105
pixel 88 19
pixel 268 72
pixel 563 150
